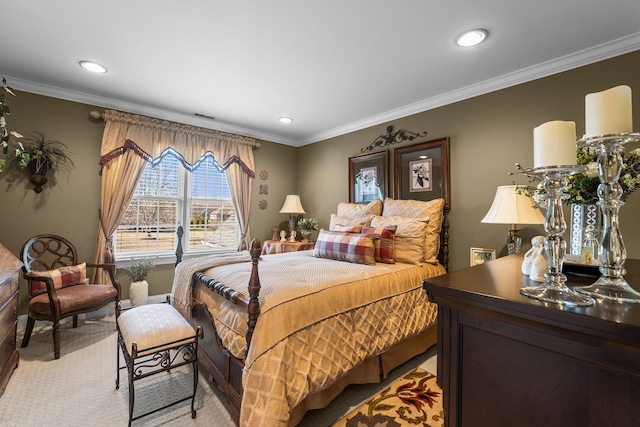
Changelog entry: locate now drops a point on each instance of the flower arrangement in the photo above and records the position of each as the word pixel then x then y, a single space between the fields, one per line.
pixel 138 270
pixel 582 188
pixel 308 224
pixel 21 158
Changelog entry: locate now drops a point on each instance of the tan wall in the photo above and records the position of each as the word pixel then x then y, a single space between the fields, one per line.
pixel 70 207
pixel 489 134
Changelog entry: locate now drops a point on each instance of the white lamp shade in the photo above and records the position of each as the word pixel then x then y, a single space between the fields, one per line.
pixel 510 207
pixel 292 205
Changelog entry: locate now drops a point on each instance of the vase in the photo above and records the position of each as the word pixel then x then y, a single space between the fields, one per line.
pixel 306 235
pixel 138 293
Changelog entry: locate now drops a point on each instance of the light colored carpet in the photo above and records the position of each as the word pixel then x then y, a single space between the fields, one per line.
pixel 79 388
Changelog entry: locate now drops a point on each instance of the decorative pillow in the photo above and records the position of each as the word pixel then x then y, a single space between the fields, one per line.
pixel 347 228
pixel 345 221
pixel 351 247
pixel 408 244
pixel 356 210
pixel 383 245
pixel 434 209
pixel 62 277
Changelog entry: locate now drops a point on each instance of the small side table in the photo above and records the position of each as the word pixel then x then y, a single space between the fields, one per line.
pixel 278 247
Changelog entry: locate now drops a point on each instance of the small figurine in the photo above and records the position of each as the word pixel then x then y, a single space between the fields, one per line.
pixel 539 262
pixel 283 236
pixel 292 237
pixel 537 245
pixel 275 232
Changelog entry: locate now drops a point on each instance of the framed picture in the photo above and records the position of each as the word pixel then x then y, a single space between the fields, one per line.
pixel 421 171
pixel 481 255
pixel 368 177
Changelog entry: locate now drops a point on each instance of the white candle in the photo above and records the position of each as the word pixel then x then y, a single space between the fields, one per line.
pixel 608 112
pixel 554 144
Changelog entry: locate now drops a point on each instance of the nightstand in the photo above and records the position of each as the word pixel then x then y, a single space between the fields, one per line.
pixel 278 246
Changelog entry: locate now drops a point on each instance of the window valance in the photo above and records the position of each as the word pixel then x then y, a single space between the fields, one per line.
pixel 150 137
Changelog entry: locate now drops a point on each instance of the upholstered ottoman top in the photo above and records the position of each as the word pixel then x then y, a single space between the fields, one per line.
pixel 153 325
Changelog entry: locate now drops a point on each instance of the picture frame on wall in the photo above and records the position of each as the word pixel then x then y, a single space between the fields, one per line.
pixel 421 171
pixel 368 177
pixel 481 255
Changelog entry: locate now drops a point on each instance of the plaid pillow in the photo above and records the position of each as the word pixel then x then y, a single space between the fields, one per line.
pixel 62 277
pixel 383 245
pixel 351 247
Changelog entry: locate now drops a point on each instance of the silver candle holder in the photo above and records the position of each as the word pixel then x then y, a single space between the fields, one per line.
pixel 554 288
pixel 612 253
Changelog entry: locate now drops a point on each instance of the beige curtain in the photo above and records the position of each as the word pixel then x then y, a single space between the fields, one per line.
pixel 129 141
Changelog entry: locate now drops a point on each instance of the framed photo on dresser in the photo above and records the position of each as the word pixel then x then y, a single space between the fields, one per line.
pixel 368 177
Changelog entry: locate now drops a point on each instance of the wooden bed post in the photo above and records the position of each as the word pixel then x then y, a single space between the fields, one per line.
pixel 254 291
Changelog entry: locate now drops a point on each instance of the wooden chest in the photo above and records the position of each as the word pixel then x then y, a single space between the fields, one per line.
pixel 9 281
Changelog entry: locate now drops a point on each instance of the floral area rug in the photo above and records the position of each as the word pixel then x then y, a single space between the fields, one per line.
pixel 413 400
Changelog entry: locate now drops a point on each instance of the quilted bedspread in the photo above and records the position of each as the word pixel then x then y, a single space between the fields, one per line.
pixel 319 319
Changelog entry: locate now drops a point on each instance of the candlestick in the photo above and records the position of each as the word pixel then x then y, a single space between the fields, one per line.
pixel 554 289
pixel 608 112
pixel 612 254
pixel 554 143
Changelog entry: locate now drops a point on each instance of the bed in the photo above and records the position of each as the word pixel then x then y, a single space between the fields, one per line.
pixel 286 333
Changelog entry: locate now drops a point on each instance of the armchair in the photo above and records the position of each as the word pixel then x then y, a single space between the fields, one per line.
pixel 59 286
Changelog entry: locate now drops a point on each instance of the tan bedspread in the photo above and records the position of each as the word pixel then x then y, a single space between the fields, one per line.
pixel 319 319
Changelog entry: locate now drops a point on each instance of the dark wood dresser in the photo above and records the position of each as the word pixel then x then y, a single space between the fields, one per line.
pixel 9 281
pixel 508 360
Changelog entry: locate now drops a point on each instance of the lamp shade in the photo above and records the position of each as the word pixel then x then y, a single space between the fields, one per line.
pixel 292 205
pixel 509 207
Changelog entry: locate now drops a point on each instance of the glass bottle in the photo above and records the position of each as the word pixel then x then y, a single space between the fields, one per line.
pixel 589 246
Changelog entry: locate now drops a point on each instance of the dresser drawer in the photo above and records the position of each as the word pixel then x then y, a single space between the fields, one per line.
pixel 8 288
pixel 8 345
pixel 8 315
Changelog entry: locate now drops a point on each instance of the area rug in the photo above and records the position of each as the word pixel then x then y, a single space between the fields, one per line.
pixel 413 400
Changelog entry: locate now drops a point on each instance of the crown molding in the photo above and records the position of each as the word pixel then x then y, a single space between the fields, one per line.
pixel 578 59
pixel 575 60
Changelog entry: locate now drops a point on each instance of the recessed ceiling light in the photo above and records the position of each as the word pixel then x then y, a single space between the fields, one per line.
pixel 93 67
pixel 285 120
pixel 472 37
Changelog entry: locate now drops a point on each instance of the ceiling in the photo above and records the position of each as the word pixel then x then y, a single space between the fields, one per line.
pixel 334 66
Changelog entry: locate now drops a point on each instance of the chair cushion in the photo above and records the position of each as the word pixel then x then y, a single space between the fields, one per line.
pixel 152 325
pixel 75 299
pixel 62 277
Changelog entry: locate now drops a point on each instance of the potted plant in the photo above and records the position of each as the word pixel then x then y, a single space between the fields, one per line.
pixel 42 156
pixel 137 271
pixel 307 227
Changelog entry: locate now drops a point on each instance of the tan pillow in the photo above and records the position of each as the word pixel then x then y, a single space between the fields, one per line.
pixel 434 209
pixel 409 238
pixel 346 221
pixel 347 228
pixel 357 210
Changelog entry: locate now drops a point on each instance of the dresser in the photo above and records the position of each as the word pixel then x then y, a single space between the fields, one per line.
pixel 9 280
pixel 508 360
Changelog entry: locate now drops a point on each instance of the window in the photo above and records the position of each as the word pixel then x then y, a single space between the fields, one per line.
pixel 168 196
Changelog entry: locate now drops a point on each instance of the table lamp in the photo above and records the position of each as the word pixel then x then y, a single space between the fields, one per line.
pixel 293 207
pixel 510 207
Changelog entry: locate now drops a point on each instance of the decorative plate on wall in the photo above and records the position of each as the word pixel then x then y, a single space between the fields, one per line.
pixel 264 175
pixel 262 204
